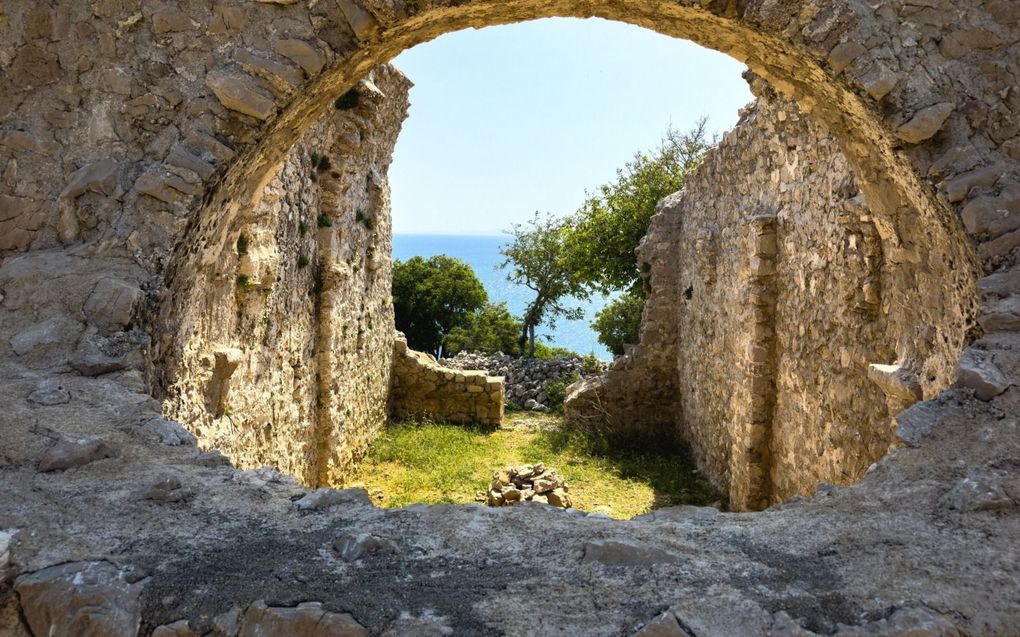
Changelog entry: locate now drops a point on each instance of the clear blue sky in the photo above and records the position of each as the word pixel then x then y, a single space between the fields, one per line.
pixel 512 119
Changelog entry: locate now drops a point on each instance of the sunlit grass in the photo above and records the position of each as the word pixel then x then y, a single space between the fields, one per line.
pixel 441 463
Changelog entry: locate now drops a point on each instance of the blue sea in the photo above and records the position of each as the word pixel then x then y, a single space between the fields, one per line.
pixel 482 254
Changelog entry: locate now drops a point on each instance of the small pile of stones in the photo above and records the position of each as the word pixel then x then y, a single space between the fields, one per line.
pixel 528 483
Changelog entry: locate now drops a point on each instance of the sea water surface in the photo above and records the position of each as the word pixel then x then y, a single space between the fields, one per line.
pixel 481 252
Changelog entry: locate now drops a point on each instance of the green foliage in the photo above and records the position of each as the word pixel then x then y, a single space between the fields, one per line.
pixel 323 221
pixel 536 260
pixel 433 296
pixel 361 217
pixel 603 234
pixel 544 351
pixel 618 322
pixel 347 101
pixel 302 262
pixel 489 330
pixel 244 282
pixel 302 228
pixel 556 391
pixel 242 244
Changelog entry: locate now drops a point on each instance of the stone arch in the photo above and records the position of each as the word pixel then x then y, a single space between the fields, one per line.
pixel 163 156
pixel 881 120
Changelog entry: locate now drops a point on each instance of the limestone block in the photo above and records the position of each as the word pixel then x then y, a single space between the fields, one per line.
pixel 325 498
pixel 183 158
pixel 99 177
pixel 67 453
pixel 993 215
pixel 112 303
pixel 49 392
pixel 176 629
pixel 307 619
pixel 896 381
pixel 218 388
pixel 843 54
pixel 1001 314
pixel 171 21
pixel 665 625
pixel 982 492
pixel 984 177
pixel 81 598
pixel 97 354
pixel 303 54
pixel 362 22
pixel 977 371
pixel 168 432
pixel 283 77
pixel 925 123
pixel 55 332
pixel 239 93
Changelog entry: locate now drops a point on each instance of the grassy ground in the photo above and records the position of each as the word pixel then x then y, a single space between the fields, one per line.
pixel 433 463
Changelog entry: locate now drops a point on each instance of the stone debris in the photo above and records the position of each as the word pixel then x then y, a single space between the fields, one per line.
pixel 81 598
pixel 67 453
pixel 351 547
pixel 168 432
pixel 977 493
pixel 326 497
pixel 308 619
pixel 527 483
pixel 665 625
pixel 977 371
pixel 526 379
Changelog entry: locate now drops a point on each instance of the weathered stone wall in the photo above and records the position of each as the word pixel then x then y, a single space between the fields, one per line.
pixel 772 291
pixel 282 355
pixel 422 388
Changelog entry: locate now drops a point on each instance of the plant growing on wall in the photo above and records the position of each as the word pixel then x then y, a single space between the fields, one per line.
pixel 323 221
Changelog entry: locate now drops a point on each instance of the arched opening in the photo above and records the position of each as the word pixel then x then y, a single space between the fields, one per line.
pixel 915 235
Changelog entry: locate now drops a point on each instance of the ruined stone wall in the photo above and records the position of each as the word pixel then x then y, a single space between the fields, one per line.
pixel 422 388
pixel 282 355
pixel 773 290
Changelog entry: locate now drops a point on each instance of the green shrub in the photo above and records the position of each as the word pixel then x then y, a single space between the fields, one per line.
pixel 302 228
pixel 362 218
pixel 244 282
pixel 619 323
pixel 556 391
pixel 242 244
pixel 323 221
pixel 302 262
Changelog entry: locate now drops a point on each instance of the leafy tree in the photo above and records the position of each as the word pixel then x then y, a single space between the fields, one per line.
pixel 535 258
pixel 433 296
pixel 603 234
pixel 617 324
pixel 489 330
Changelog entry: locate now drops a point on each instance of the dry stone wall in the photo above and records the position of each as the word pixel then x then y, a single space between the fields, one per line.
pixel 282 355
pixel 775 303
pixel 422 388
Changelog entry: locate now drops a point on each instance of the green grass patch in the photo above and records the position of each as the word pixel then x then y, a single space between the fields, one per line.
pixel 441 463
